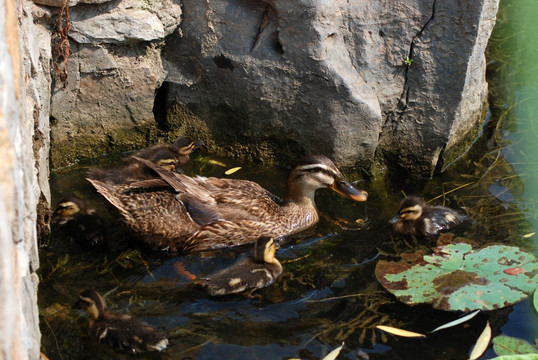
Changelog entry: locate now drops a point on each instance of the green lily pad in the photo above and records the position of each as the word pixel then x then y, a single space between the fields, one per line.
pixel 458 277
pixel 507 345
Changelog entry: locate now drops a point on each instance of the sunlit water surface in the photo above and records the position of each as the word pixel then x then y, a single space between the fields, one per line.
pixel 328 293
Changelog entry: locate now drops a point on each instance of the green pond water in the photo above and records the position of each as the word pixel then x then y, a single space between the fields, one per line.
pixel 328 293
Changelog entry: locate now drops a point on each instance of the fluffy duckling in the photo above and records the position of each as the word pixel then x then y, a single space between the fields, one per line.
pixel 77 223
pixel 121 332
pixel 180 151
pixel 252 273
pixel 170 157
pixel 416 218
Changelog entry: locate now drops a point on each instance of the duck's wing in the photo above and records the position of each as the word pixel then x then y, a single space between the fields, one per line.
pixel 445 219
pixel 190 188
pixel 154 215
pixel 230 280
pixel 244 275
pixel 212 199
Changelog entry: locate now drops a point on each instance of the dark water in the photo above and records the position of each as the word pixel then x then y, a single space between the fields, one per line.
pixel 328 293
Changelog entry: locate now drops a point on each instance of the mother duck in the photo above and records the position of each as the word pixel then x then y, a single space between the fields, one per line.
pixel 180 213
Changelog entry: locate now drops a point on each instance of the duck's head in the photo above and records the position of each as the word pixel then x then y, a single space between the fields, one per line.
pixel 67 208
pixel 316 172
pixel 91 301
pixel 184 146
pixel 410 210
pixel 264 250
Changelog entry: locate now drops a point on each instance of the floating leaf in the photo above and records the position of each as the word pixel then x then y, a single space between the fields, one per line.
pixel 482 343
pixel 457 321
pixel 458 277
pixel 507 345
pixel 399 332
pixel 232 170
pixel 333 354
pixel 535 299
pixel 529 235
pixel 215 162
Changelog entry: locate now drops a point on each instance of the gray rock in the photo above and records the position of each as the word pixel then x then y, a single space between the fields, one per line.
pixel 124 22
pixel 307 76
pixel 331 77
pixel 126 26
pixel 107 102
pixel 113 73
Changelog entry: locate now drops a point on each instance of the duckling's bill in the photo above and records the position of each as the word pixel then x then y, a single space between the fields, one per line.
pixel 395 219
pixel 343 187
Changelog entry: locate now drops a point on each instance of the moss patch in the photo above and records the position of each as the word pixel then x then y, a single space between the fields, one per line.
pixel 95 142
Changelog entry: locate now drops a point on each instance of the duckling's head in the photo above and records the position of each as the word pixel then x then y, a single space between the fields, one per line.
pixel 264 250
pixel 94 304
pixel 316 172
pixel 67 208
pixel 184 146
pixel 410 210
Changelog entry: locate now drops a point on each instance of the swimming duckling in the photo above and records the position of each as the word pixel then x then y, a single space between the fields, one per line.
pixel 78 223
pixel 170 157
pixel 416 218
pixel 121 332
pixel 252 273
pixel 180 151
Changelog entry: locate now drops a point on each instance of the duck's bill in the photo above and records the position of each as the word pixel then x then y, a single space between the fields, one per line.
pixel 345 188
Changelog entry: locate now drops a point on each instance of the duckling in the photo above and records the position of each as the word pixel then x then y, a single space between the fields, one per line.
pixel 121 332
pixel 416 218
pixel 180 150
pixel 77 223
pixel 252 273
pixel 183 213
pixel 171 157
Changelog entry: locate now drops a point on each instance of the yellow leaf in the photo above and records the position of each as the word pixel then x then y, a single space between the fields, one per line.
pixel 529 235
pixel 333 354
pixel 232 170
pixel 215 162
pixel 399 332
pixel 482 343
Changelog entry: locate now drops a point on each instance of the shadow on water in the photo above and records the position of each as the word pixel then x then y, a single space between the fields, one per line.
pixel 328 293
